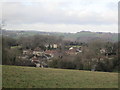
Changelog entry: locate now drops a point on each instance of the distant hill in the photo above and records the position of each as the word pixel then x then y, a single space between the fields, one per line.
pixel 83 36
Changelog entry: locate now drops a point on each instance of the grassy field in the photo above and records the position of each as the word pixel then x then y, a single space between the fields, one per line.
pixel 31 77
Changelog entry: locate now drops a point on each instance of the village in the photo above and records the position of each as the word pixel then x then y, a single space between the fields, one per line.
pixel 55 52
pixel 40 57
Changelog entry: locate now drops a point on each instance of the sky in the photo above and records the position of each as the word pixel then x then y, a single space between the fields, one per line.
pixel 60 15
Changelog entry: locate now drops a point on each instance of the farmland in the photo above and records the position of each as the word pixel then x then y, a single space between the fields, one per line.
pixel 31 77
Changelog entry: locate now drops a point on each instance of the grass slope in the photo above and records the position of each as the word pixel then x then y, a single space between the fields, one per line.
pixel 31 77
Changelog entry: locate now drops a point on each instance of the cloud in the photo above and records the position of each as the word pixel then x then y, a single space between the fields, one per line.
pixel 61 13
pixel 19 13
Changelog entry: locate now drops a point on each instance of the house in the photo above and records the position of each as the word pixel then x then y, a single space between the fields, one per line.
pixel 102 50
pixel 26 52
pixel 71 52
pixel 52 53
pixel 48 56
pixel 70 48
pixel 78 50
pixel 39 61
pixel 55 46
pixel 38 51
pixel 46 45
pixel 36 61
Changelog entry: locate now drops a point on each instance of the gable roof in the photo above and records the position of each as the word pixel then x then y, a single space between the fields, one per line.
pixel 51 51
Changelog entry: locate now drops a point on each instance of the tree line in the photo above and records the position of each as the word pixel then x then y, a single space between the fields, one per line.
pixel 89 59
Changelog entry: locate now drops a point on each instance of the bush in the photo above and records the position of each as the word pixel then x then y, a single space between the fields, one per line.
pixel 66 64
pixel 20 62
pixel 53 63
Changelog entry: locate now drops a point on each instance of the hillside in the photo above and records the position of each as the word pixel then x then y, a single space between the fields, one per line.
pixel 83 36
pixel 31 77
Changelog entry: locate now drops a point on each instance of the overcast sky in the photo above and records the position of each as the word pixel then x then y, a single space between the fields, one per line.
pixel 61 15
